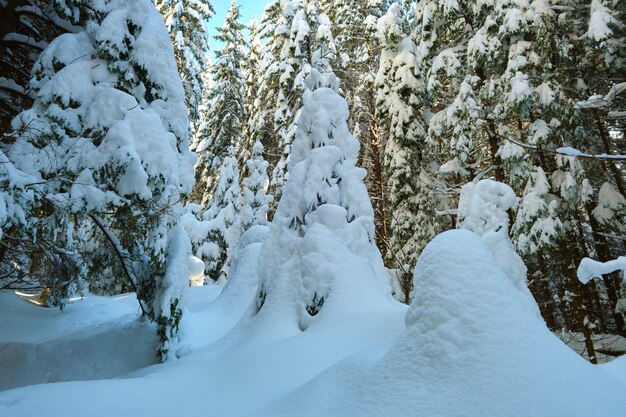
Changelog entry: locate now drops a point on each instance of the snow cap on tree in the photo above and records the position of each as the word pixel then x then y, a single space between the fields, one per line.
pixel 483 205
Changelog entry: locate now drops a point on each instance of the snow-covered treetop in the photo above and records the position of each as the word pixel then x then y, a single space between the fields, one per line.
pixel 323 161
pixel 109 116
pixel 484 204
pixel 186 22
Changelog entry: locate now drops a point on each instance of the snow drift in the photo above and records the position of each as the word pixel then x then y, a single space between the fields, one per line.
pixel 473 347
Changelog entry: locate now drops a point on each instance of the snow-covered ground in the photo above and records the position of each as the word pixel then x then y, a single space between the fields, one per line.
pixel 471 344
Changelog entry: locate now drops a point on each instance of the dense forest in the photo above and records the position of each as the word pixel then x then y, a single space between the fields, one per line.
pixel 111 167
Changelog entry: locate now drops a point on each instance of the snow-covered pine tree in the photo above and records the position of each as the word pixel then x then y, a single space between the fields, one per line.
pixel 224 222
pixel 307 44
pixel 356 64
pixel 28 26
pixel 598 58
pixel 251 74
pixel 255 201
pixel 499 82
pixel 107 140
pixel 400 89
pixel 186 23
pixel 20 194
pixel 226 107
pixel 321 240
pixel 536 224
pixel 262 103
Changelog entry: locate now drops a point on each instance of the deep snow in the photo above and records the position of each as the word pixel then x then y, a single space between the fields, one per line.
pixel 470 345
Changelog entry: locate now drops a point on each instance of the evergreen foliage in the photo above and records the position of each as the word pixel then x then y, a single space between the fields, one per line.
pixel 226 105
pixel 106 144
pixel 186 23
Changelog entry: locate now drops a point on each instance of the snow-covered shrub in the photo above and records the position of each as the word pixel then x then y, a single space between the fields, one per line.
pixel 483 209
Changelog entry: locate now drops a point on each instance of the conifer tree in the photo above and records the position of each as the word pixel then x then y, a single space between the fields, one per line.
pixel 255 200
pixel 499 84
pixel 224 222
pixel 356 64
pixel 399 92
pixel 107 140
pixel 307 44
pixel 227 112
pixel 324 222
pixel 251 68
pixel 186 23
pixel 263 101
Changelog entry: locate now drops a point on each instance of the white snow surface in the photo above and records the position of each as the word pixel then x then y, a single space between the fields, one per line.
pixel 39 345
pixel 470 345
pixel 473 347
pixel 590 269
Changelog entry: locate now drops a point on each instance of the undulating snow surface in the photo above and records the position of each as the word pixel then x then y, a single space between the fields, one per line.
pixel 93 338
pixel 469 345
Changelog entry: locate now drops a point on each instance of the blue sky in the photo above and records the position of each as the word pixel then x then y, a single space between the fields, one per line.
pixel 250 9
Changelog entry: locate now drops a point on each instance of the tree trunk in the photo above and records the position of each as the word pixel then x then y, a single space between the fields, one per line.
pixel 380 215
pixel 611 281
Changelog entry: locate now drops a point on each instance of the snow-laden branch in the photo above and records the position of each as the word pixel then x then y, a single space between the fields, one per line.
pixel 569 152
pixel 599 101
pixel 124 257
pixel 590 269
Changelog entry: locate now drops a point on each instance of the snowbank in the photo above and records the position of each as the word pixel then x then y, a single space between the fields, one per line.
pixel 473 347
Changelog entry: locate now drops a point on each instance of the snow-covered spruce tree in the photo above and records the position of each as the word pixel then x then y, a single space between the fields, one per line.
pixel 226 107
pixel 255 200
pixel 399 93
pixel 262 101
pixel 253 125
pixel 536 224
pixel 107 140
pixel 356 64
pixel 320 249
pixel 307 44
pixel 224 223
pixel 601 65
pixel 186 23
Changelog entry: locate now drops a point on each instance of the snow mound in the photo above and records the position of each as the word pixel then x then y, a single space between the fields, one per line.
pixel 484 204
pixel 234 300
pixel 195 266
pixel 473 347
